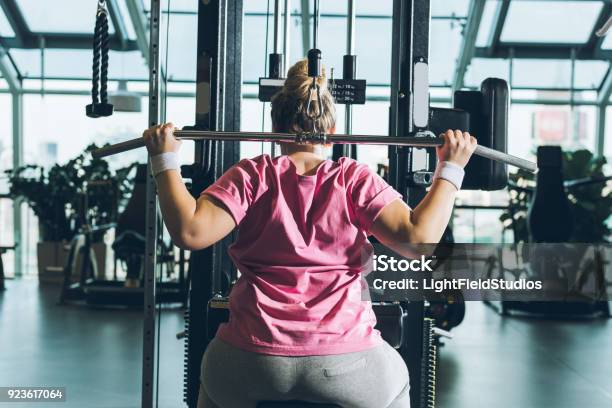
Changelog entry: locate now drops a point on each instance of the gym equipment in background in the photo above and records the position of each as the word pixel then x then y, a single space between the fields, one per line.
pixel 551 221
pixel 129 248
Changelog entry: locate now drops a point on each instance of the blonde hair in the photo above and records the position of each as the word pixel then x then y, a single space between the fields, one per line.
pixel 289 113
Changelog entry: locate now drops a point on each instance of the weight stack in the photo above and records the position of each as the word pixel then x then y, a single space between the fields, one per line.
pixel 186 361
pixel 428 368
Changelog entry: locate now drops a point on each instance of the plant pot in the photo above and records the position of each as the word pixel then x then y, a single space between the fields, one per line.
pixel 51 257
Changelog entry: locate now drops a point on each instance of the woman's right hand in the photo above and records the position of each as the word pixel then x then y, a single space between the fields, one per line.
pixel 458 147
pixel 160 139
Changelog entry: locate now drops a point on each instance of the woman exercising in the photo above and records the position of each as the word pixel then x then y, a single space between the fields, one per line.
pixel 298 329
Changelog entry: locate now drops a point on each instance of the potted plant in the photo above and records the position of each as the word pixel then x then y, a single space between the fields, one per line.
pixel 64 198
pixel 590 204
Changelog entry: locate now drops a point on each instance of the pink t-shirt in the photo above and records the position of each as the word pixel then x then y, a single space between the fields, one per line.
pixel 300 252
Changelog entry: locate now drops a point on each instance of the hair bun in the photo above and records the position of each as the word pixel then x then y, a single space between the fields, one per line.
pixel 289 104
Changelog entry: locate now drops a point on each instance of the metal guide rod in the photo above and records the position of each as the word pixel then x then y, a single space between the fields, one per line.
pixel 286 35
pixel 350 49
pixel 277 26
pixel 315 25
pixel 350 29
pixel 418 141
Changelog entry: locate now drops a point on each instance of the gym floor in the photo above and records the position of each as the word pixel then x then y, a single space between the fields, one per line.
pixel 492 361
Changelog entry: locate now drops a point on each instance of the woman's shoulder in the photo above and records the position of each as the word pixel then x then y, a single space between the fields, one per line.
pixel 353 169
pixel 258 162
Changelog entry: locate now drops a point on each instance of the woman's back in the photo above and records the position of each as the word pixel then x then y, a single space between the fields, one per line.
pixel 301 248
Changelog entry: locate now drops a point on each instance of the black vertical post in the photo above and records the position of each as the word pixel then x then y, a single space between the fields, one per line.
pixel 218 94
pixel 410 46
pixel 150 259
pixel 349 71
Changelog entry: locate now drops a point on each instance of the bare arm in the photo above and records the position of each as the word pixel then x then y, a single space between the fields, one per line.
pixel 192 224
pixel 397 225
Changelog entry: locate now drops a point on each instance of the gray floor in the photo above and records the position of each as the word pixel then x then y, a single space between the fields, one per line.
pixel 95 353
pixel 492 361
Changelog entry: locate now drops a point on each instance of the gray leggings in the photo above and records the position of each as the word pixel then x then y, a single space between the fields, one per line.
pixel 234 378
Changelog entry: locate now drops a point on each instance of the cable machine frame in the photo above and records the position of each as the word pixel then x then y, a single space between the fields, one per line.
pixel 218 108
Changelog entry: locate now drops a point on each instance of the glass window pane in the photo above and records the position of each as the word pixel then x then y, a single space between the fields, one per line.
pixel 259 6
pixel 569 21
pixel 444 46
pixel 64 63
pixel 486 23
pixel 544 73
pixel 182 54
pixel 5 27
pixel 607 44
pixel 364 123
pixel 181 112
pixel 6 163
pixel 448 7
pixel 78 16
pixel 6 140
pixel 590 74
pixel 125 14
pixel 254 46
pixel 534 125
pixel 608 137
pixel 556 73
pixel 379 7
pixel 373 61
pixel 540 74
pixel 483 68
pixel 373 50
pixel 61 130
pixel 182 5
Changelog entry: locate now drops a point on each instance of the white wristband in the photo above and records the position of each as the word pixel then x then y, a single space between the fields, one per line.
pixel 450 172
pixel 163 162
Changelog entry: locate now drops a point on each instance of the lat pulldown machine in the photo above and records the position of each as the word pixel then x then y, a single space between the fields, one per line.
pixel 412 128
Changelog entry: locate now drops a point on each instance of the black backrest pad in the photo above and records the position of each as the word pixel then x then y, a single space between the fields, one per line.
pixel 488 111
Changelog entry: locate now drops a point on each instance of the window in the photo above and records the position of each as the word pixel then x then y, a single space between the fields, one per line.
pixel 607 44
pixel 608 136
pixel 486 23
pixel 447 8
pixel 537 73
pixel 6 163
pixel 182 53
pixel 444 47
pixel 71 63
pixel 372 119
pixel 68 16
pixel 62 130
pixel 5 27
pixel 533 125
pixel 6 139
pixel 524 22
